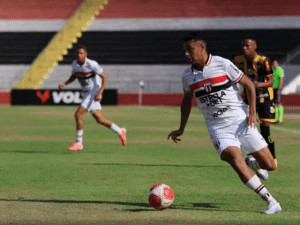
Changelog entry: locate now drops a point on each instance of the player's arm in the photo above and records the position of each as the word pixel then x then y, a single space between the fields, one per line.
pixel 251 96
pixel 185 108
pixel 104 83
pixel 70 80
pixel 268 82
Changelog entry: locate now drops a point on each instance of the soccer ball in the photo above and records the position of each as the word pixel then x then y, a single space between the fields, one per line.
pixel 160 196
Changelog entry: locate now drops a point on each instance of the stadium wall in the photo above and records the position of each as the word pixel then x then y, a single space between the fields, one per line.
pixel 139 18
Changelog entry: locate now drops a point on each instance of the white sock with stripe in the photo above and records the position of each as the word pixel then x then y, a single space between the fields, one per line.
pixel 79 135
pixel 116 129
pixel 255 184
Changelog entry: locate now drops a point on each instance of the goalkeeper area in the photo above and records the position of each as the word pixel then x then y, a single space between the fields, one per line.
pixel 41 182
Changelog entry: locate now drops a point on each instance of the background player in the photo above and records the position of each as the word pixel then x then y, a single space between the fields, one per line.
pixel 93 81
pixel 230 122
pixel 278 74
pixel 258 69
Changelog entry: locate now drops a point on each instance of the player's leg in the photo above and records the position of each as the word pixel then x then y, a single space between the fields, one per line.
pixel 266 114
pixel 98 115
pixel 275 91
pixel 79 127
pixel 280 113
pixel 264 159
pixel 280 110
pixel 265 132
pixel 78 117
pixel 233 156
pixel 254 144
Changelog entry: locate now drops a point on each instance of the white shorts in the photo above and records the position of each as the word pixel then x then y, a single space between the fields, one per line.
pixel 88 101
pixel 237 134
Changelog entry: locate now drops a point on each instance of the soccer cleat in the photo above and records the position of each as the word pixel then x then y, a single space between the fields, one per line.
pixel 76 147
pixel 122 136
pixel 274 207
pixel 263 174
pixel 253 164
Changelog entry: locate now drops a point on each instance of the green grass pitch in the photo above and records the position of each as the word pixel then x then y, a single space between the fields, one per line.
pixel 106 183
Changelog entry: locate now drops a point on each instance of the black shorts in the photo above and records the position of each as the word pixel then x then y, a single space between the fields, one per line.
pixel 277 97
pixel 266 110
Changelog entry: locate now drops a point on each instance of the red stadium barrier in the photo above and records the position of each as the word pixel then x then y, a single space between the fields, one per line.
pixel 32 9
pixel 5 98
pixel 149 99
pixel 174 99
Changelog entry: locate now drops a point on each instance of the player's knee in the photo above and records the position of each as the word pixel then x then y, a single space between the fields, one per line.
pixel 272 166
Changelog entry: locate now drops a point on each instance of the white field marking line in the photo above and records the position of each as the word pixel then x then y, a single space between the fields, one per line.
pixel 286 130
pixel 194 115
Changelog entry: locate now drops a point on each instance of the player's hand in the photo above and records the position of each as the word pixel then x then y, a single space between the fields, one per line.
pixel 256 84
pixel 98 97
pixel 174 134
pixel 61 86
pixel 251 120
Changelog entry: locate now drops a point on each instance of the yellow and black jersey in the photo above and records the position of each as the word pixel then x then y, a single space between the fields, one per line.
pixel 257 70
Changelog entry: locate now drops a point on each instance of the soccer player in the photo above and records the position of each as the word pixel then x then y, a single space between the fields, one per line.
pixel 230 121
pixel 93 81
pixel 258 69
pixel 278 74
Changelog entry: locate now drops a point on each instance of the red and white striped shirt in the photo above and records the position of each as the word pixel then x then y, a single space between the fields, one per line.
pixel 88 74
pixel 215 89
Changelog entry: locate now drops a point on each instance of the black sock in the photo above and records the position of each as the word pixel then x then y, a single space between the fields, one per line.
pixel 265 132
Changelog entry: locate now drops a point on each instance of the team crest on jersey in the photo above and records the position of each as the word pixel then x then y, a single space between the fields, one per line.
pixel 207 87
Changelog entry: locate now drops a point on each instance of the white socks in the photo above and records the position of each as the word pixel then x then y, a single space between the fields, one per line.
pixel 79 135
pixel 116 129
pixel 255 184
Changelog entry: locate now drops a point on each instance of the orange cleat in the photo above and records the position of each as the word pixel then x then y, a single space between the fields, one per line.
pixel 122 136
pixel 76 147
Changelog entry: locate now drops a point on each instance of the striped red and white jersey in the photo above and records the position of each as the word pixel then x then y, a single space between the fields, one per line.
pixel 88 74
pixel 216 92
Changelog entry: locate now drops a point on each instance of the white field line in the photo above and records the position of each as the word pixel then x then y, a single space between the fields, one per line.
pixel 286 130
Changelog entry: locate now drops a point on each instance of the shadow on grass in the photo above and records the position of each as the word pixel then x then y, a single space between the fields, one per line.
pixel 143 206
pixel 54 152
pixel 151 165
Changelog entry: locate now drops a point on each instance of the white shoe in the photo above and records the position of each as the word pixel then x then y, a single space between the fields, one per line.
pixel 252 163
pixel 274 207
pixel 263 174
